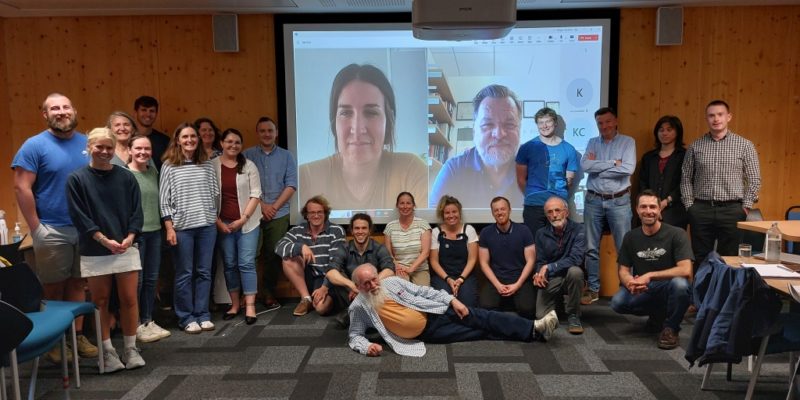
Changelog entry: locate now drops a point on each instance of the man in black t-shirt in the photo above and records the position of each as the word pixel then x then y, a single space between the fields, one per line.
pixel 655 265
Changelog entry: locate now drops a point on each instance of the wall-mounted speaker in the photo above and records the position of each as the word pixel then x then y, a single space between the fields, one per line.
pixel 226 33
pixel 669 26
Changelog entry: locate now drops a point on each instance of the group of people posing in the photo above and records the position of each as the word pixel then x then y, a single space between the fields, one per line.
pixel 100 205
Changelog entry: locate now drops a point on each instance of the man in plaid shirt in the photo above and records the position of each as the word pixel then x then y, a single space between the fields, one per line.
pixel 407 315
pixel 719 184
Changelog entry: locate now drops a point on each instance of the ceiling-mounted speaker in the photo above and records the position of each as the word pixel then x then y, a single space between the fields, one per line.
pixel 226 33
pixel 669 26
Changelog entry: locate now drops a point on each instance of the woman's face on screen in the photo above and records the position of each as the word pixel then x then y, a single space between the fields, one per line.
pixel 360 123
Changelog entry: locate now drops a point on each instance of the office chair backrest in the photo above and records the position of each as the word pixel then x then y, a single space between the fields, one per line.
pixel 20 287
pixel 14 329
pixel 11 252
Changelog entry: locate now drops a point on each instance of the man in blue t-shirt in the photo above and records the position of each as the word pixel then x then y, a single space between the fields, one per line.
pixel 41 167
pixel 506 254
pixel 546 166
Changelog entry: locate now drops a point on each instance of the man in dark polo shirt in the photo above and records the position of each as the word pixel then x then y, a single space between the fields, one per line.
pixel 655 264
pixel 361 250
pixel 506 255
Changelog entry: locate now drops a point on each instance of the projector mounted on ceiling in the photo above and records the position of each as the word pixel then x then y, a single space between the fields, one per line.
pixel 463 19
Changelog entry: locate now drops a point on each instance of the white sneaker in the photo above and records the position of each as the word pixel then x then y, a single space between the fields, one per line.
pixel 193 327
pixel 146 334
pixel 133 359
pixel 112 361
pixel 546 325
pixel 207 326
pixel 161 332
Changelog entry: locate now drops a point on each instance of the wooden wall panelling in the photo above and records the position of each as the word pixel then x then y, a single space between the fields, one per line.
pixel 639 80
pixel 104 63
pixel 743 55
pixel 117 65
pixel 6 135
pixel 233 89
pixel 791 160
pixel 762 93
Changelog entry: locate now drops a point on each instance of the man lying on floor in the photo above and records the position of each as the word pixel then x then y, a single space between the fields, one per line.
pixel 407 315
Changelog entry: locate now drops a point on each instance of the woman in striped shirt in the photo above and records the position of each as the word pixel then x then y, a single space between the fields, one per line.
pixel 189 197
pixel 408 240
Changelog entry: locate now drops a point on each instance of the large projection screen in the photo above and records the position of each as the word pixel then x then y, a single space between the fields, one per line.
pixel 348 152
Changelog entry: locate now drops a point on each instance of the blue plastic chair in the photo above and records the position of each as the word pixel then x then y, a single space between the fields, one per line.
pixel 15 328
pixel 21 288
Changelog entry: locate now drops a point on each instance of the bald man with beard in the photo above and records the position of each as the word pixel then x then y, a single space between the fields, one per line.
pixel 407 315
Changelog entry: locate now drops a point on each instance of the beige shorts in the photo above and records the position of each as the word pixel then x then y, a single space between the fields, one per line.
pixel 56 252
pixel 421 278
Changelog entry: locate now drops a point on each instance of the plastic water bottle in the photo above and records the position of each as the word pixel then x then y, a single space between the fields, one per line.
pixel 772 246
pixel 17 233
pixel 3 228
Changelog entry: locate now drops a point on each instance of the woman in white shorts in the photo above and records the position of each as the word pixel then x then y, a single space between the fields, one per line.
pixel 105 207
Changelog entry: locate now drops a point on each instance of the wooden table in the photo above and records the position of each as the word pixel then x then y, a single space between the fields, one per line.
pixel 790 230
pixel 781 285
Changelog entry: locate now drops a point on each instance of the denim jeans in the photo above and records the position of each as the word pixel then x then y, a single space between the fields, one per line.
pixel 670 297
pixel 239 257
pixel 192 259
pixel 614 214
pixel 150 255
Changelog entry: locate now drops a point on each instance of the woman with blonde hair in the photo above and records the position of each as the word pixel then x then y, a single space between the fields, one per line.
pixel 105 207
pixel 454 252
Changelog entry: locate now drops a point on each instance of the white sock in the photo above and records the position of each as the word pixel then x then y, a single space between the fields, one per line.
pixel 107 346
pixel 307 298
pixel 130 341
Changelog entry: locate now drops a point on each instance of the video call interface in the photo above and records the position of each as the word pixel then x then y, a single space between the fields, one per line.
pixel 372 111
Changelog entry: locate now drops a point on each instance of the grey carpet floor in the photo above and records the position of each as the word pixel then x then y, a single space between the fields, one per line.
pixel 287 357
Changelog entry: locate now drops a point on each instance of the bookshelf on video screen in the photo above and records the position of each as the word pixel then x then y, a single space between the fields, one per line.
pixel 372 111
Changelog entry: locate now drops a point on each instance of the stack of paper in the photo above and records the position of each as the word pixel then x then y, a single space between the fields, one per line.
pixel 773 271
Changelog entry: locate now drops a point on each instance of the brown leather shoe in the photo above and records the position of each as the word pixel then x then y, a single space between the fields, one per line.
pixel 668 339
pixel 589 297
pixel 303 308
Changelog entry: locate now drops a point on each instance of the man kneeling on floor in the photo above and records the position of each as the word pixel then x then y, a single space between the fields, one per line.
pixel 407 315
pixel 655 265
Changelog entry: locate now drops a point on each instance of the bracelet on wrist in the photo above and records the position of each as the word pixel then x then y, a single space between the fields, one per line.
pixel 462 278
pixel 100 238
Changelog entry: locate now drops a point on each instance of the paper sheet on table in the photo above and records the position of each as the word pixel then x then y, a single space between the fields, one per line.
pixel 773 271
